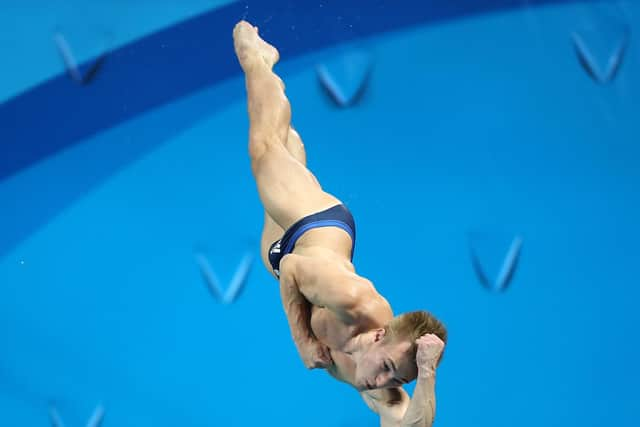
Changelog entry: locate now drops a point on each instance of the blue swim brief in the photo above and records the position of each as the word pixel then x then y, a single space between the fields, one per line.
pixel 337 216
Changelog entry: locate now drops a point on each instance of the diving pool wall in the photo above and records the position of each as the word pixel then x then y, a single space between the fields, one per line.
pixel 472 132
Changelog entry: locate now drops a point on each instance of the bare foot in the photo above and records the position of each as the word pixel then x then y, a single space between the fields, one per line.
pixel 251 48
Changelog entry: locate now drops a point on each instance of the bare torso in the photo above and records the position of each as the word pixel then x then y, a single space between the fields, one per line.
pixel 334 246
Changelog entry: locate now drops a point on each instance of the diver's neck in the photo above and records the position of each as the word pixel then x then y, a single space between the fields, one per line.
pixel 356 345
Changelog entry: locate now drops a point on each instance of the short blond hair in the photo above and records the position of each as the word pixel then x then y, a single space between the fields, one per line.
pixel 411 326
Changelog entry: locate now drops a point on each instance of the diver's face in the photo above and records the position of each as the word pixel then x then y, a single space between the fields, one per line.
pixel 384 365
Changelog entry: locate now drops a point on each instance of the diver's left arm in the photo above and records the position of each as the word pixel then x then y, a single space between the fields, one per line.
pixel 422 408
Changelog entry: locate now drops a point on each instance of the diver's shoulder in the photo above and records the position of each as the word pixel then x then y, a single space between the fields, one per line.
pixel 373 310
pixel 390 404
pixel 386 396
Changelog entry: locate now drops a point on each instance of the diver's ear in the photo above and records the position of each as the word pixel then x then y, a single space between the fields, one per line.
pixel 379 334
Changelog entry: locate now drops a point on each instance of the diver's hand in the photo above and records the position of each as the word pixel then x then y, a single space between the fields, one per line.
pixel 429 349
pixel 315 355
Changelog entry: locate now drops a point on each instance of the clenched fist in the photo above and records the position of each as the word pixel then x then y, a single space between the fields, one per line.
pixel 316 355
pixel 429 349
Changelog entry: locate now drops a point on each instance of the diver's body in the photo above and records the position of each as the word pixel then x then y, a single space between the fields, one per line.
pixel 336 317
pixel 320 257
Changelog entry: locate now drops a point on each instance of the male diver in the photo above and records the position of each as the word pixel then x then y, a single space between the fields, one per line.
pixel 337 319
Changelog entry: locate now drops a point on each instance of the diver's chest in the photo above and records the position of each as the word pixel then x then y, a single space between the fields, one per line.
pixel 329 329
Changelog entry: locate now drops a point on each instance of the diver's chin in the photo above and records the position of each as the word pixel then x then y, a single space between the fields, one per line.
pixel 365 386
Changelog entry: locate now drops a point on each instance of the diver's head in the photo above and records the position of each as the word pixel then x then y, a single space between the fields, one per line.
pixel 388 358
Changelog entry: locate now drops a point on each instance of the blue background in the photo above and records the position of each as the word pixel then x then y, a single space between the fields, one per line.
pixel 478 125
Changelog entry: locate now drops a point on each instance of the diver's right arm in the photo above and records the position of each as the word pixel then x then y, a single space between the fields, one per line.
pixel 314 354
pixel 325 284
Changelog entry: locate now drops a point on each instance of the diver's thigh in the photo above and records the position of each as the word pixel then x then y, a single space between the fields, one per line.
pixel 288 190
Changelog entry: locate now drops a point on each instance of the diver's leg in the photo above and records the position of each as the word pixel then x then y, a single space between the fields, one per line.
pixel 288 190
pixel 271 230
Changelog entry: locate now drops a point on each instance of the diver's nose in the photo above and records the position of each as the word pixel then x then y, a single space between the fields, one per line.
pixel 383 381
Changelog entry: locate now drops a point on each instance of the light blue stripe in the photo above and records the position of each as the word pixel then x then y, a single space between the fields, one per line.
pixel 318 224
